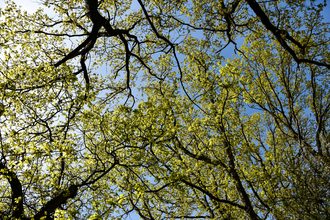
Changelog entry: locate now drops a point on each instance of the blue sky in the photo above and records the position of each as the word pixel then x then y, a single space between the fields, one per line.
pixel 31 6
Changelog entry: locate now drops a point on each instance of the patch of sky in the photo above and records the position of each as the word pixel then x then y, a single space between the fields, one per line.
pixel 106 68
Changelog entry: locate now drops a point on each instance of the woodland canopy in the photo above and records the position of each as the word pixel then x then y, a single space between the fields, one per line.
pixel 165 109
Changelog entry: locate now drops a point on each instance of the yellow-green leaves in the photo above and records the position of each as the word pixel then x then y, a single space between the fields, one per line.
pixel 165 110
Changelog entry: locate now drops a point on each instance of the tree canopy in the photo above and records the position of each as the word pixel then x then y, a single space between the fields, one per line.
pixel 196 109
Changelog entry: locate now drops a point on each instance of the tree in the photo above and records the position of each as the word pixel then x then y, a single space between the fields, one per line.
pixel 214 137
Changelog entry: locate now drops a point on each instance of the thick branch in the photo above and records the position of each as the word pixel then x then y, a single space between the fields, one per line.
pixel 89 42
pixel 56 202
pixel 239 186
pixel 17 192
pixel 278 35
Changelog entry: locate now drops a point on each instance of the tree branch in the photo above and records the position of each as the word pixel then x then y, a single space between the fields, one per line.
pixel 278 35
pixel 16 189
pixel 56 202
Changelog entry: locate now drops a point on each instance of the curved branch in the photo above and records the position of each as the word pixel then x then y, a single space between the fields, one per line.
pixel 278 35
pixel 16 189
pixel 212 196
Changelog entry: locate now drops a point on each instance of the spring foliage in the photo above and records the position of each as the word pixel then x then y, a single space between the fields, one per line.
pixel 166 109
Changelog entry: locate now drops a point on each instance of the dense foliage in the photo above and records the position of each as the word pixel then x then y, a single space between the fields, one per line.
pixel 165 109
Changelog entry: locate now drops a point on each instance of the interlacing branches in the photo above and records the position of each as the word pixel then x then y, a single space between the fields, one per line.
pixel 245 137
